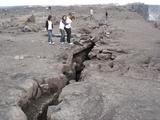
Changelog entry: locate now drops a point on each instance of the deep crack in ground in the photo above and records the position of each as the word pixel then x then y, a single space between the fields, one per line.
pixel 37 109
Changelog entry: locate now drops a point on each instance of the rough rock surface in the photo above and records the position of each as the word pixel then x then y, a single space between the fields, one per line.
pixel 83 100
pixel 12 113
pixel 30 67
pixel 31 19
pixel 30 28
pixel 123 70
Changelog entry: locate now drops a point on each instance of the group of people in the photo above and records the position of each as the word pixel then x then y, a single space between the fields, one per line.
pixel 64 26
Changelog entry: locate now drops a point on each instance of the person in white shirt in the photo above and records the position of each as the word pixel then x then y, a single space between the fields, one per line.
pixel 68 27
pixel 49 28
pixel 91 14
pixel 62 24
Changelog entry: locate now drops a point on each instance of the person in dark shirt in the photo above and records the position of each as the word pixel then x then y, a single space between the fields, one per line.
pixel 106 15
pixel 49 28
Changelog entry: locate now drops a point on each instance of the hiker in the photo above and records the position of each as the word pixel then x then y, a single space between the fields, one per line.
pixel 106 15
pixel 62 24
pixel 91 14
pixel 68 27
pixel 49 28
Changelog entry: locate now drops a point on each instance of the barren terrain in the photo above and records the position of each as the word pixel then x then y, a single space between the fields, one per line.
pixel 111 72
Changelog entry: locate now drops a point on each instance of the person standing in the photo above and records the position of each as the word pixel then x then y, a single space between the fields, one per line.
pixel 62 25
pixel 106 15
pixel 68 28
pixel 91 14
pixel 49 28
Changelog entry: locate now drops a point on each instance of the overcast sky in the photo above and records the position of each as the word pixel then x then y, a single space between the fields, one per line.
pixel 71 2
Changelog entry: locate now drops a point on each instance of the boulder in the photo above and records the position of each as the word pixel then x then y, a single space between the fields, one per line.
pixel 26 29
pixel 31 19
pixel 31 28
pixel 12 113
pixel 80 101
pixel 104 56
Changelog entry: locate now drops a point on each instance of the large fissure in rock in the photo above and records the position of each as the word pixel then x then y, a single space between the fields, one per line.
pixel 36 109
pixel 79 58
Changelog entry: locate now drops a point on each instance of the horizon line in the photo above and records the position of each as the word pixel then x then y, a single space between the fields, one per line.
pixel 75 4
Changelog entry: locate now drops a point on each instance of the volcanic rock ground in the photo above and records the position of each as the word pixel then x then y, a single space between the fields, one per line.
pixel 120 80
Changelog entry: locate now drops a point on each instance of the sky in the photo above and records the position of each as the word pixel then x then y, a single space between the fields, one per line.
pixel 71 2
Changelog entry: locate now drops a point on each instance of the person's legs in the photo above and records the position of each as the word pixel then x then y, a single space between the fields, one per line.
pixel 62 35
pixel 68 35
pixel 91 17
pixel 61 39
pixel 50 36
pixel 106 17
